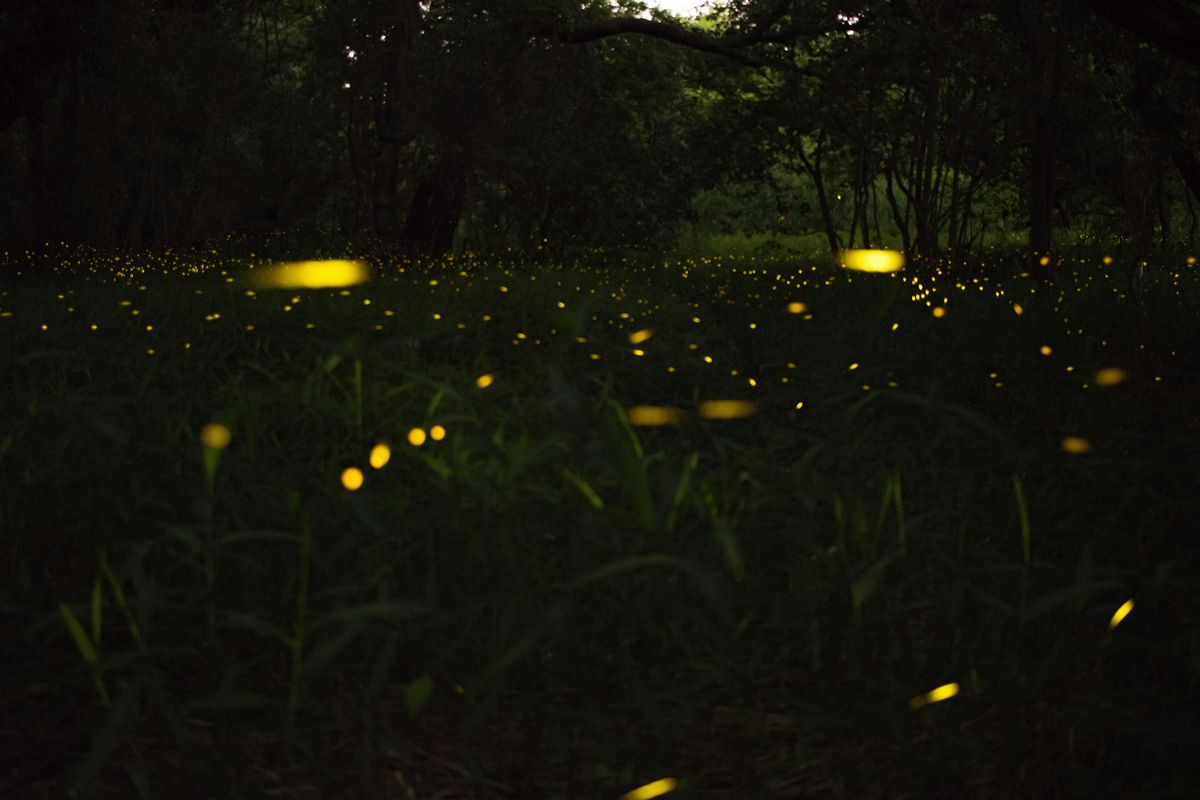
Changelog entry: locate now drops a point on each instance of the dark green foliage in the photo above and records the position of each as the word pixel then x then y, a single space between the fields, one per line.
pixel 551 602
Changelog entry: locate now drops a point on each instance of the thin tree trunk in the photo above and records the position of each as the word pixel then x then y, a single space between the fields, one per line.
pixel 435 210
pixel 1043 155
pixel 388 136
pixel 813 168
pixel 901 220
pixel 1195 221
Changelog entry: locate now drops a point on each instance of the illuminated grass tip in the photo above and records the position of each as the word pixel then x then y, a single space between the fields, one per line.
pixel 312 274
pixel 655 415
pixel 650 790
pixel 215 436
pixel 872 260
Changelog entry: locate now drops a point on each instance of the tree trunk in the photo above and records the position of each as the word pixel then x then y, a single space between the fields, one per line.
pixel 813 168
pixel 392 94
pixel 901 220
pixel 1189 169
pixel 1043 144
pixel 435 210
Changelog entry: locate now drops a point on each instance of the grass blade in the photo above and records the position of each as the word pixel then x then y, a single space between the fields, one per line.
pixel 1023 514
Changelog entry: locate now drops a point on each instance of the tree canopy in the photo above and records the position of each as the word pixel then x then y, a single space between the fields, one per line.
pixel 543 126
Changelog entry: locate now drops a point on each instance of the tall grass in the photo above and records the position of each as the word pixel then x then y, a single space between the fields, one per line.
pixel 550 601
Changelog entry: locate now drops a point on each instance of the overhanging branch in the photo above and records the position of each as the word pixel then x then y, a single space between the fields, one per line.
pixel 731 46
pixel 659 30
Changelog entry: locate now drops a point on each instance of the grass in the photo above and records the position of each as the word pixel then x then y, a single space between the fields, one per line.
pixel 550 601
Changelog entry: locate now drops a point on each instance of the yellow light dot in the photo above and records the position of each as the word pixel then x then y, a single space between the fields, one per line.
pixel 312 275
pixel 1120 614
pixel 944 692
pixel 939 312
pixel 1045 350
pixel 895 326
pixel 1111 376
pixel 484 381
pixel 726 409
pixel 1044 260
pixel 654 415
pixel 637 337
pixel 416 437
pixel 352 479
pixel 638 352
pixel 215 436
pixel 1017 309
pixel 799 404
pixel 651 790
pixel 696 320
pixel 872 260
pixel 380 455
pixel 854 365
pixel 1076 445
pixel 437 433
pixel 796 308
pixel 1191 260
pixel 1107 260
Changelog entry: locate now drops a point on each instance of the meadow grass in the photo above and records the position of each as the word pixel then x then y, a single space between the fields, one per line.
pixel 549 599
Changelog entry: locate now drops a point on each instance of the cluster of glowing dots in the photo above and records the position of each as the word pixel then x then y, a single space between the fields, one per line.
pixel 353 477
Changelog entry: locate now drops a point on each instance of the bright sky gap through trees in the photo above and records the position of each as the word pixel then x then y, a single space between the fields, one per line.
pixel 684 8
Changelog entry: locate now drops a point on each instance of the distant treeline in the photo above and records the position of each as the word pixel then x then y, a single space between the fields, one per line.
pixel 551 126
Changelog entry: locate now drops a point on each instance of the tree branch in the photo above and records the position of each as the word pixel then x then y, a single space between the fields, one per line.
pixel 730 46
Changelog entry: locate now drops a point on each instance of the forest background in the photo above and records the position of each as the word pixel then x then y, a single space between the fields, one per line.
pixel 554 127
